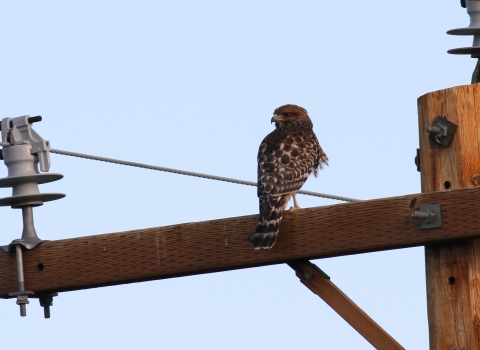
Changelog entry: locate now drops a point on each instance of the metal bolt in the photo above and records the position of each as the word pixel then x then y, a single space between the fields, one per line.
pixel 308 275
pixel 442 131
pixel 430 216
pixel 439 130
pixel 46 302
pixel 46 311
pixel 22 300
pixel 427 215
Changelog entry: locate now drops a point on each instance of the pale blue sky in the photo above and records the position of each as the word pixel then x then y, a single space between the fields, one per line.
pixel 192 85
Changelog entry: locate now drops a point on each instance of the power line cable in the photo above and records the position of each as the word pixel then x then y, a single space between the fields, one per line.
pixel 184 172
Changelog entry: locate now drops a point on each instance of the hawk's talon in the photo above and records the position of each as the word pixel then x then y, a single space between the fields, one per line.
pixel 295 204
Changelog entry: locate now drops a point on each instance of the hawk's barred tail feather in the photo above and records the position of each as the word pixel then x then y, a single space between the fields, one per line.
pixel 268 225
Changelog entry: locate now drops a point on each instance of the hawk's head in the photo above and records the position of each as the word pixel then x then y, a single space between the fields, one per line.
pixel 289 114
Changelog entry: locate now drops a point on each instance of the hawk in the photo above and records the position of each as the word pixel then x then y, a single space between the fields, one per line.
pixel 286 157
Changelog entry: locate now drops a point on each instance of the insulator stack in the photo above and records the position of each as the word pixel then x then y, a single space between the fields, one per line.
pixel 24 178
pixel 26 153
pixel 473 9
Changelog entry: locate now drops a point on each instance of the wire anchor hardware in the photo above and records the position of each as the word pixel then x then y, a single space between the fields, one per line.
pixel 27 151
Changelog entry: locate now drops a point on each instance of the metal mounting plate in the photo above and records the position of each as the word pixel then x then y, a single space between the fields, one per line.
pixel 437 220
pixel 449 128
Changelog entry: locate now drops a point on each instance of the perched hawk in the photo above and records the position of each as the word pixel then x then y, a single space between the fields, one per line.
pixel 286 157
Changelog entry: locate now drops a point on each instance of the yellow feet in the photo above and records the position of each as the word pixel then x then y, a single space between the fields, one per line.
pixel 295 204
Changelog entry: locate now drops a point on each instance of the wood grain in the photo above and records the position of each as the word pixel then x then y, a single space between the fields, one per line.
pixel 344 306
pixel 220 245
pixel 452 270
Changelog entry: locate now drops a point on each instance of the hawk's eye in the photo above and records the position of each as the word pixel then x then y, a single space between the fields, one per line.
pixel 287 115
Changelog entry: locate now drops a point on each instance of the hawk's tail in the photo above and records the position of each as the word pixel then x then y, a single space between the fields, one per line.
pixel 271 213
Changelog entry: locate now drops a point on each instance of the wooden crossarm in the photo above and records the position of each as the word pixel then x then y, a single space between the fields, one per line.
pixel 220 245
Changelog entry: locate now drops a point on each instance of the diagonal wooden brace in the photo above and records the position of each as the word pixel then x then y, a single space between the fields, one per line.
pixel 316 280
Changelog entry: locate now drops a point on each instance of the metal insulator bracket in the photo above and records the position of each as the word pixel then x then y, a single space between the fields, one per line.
pixel 26 152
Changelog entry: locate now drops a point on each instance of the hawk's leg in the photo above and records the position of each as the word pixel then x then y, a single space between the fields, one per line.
pixel 295 204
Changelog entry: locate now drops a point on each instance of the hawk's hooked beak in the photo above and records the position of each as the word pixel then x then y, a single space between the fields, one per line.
pixel 274 119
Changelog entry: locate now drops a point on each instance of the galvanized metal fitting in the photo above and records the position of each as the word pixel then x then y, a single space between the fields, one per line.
pixel 438 130
pixel 429 215
pixel 46 300
pixel 22 300
pixel 442 131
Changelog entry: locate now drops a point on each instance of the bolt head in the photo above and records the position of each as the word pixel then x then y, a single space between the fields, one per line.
pixel 308 275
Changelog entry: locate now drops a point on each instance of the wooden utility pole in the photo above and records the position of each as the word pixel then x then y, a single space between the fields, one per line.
pixel 452 270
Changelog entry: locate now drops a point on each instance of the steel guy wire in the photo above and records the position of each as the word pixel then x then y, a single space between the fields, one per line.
pixel 184 172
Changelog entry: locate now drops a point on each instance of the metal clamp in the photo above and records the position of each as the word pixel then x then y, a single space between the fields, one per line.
pixel 22 294
pixel 429 215
pixel 442 131
pixel 18 131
